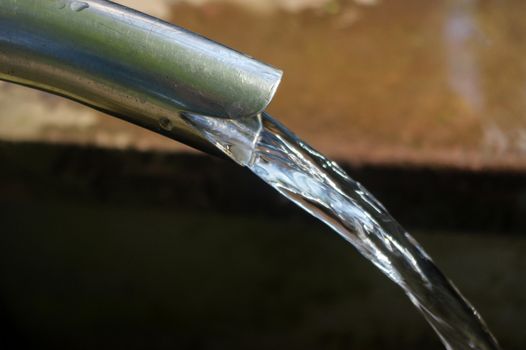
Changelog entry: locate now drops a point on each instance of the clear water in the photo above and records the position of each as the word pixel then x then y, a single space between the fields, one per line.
pixel 323 189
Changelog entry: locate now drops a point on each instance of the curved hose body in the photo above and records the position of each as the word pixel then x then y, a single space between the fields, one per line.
pixel 129 65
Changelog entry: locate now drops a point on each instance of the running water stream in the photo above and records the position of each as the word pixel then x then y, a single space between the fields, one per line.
pixel 323 189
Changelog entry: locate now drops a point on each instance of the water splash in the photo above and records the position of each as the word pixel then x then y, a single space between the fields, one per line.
pixel 78 6
pixel 323 189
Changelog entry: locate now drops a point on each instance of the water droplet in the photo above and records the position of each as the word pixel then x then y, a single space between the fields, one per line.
pixel 78 6
pixel 60 4
pixel 166 124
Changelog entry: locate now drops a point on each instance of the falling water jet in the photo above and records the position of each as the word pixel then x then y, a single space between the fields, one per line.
pixel 324 190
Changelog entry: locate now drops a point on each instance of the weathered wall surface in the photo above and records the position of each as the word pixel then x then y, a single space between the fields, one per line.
pixel 403 82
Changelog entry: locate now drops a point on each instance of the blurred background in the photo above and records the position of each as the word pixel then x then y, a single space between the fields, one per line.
pixel 114 237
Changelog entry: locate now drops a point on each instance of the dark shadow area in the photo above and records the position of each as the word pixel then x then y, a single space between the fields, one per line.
pixel 420 198
pixel 105 249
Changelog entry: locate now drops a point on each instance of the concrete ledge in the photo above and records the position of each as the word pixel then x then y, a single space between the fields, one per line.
pixel 405 83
